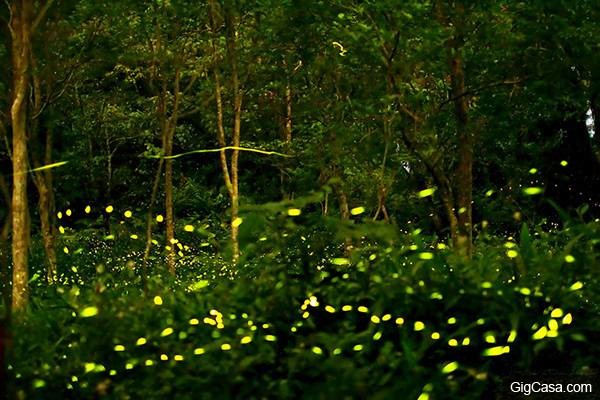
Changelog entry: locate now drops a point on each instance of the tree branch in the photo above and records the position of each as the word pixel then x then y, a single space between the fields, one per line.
pixel 481 88
pixel 41 14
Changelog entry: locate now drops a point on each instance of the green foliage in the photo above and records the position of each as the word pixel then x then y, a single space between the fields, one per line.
pixel 305 320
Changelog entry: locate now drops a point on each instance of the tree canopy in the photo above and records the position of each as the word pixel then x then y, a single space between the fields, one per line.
pixel 283 184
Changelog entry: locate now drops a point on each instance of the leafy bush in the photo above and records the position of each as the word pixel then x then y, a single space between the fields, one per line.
pixel 309 321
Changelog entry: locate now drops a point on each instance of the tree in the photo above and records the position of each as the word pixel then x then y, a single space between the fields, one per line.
pixel 20 29
pixel 229 169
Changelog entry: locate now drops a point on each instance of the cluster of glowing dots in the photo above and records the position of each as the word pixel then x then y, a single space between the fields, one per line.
pixel 549 331
pixel 128 214
pixel 216 320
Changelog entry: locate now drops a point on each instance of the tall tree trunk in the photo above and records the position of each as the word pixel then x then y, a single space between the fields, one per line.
pixel 287 134
pixel 43 178
pixel 20 27
pixel 149 221
pixel 344 213
pixel 463 179
pixel 171 125
pixel 287 128
pixel 45 206
pixel 237 122
pixel 169 221
pixel 230 172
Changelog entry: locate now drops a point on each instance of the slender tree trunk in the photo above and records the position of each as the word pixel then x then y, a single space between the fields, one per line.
pixel 287 135
pixel 230 172
pixel 169 220
pixel 21 46
pixel 44 207
pixel 237 123
pixel 464 171
pixel 43 179
pixel 287 128
pixel 171 125
pixel 149 221
pixel 344 213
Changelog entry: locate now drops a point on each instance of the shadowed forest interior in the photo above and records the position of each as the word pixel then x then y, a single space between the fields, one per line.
pixel 313 199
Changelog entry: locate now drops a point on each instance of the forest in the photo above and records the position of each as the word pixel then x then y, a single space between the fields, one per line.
pixel 299 199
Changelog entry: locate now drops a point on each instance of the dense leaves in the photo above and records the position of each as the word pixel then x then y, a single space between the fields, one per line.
pixel 283 199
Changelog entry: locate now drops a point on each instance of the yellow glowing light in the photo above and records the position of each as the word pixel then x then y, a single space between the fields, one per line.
pixel 512 253
pixel 340 261
pixel 496 351
pixel 158 300
pixel 225 347
pixel 532 191
pixel 357 210
pixel 246 340
pixel 109 209
pixel 540 333
pixel 88 312
pixel 237 222
pixel 188 228
pixel 426 192
pixel 419 326
pixel 160 218
pixel 490 338
pixel 128 214
pixel 450 367
pixel 576 286
pixel 166 332
pixel 294 212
